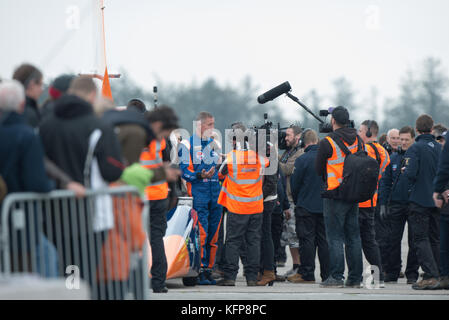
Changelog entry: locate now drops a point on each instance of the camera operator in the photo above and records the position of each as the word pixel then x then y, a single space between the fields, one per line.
pixel 340 217
pixel 395 208
pixel 306 190
pixel 421 169
pixel 286 165
pixel 368 131
pixel 242 195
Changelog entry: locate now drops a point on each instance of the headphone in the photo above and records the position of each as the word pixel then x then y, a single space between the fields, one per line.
pixel 368 133
pixel 302 141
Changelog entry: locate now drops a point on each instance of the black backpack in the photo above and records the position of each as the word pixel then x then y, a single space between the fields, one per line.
pixel 360 174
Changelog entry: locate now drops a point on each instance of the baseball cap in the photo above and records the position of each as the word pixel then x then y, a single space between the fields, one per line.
pixel 341 115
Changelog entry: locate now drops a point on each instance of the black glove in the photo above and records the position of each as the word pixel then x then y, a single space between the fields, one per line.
pixel 383 212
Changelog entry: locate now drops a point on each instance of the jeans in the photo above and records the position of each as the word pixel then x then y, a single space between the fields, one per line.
pixel 342 228
pixel 46 257
pixel 424 223
pixel 158 226
pixel 267 247
pixel 312 236
pixel 444 245
pixel 398 217
pixel 368 236
pixel 240 228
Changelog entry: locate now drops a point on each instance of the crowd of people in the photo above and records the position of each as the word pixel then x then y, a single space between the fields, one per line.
pixel 315 201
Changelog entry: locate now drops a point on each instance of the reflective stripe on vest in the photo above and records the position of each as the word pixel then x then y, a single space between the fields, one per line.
pixel 241 199
pixel 152 159
pixel 335 164
pixel 241 181
pixel 241 192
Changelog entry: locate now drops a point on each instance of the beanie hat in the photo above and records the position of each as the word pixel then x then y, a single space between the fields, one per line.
pixel 137 176
pixel 60 85
pixel 341 115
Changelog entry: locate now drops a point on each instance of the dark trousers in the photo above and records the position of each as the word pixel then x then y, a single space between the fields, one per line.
pixel 312 236
pixel 267 247
pixel 424 223
pixel 220 258
pixel 444 245
pixel 158 226
pixel 368 236
pixel 276 233
pixel 382 227
pixel 277 220
pixel 397 218
pixel 342 228
pixel 240 228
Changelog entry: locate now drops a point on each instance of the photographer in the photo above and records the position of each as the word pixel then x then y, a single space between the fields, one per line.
pixel 394 207
pixel 340 217
pixel 242 196
pixel 286 165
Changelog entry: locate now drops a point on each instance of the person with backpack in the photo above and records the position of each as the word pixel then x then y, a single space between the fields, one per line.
pixel 351 177
pixel 368 131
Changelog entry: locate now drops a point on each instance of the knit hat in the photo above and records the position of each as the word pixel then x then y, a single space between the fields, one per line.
pixel 137 176
pixel 60 85
pixel 341 115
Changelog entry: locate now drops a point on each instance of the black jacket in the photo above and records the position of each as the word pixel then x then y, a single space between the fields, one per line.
pixel 442 177
pixel 31 113
pixel 348 135
pixel 65 136
pixel 270 185
pixel 116 118
pixel 21 156
pixel 306 185
pixel 394 185
pixel 421 168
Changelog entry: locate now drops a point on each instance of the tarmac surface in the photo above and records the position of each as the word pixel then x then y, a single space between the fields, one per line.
pixel 292 291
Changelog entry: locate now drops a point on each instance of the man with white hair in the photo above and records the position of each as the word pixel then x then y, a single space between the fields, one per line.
pixel 21 153
pixel 393 141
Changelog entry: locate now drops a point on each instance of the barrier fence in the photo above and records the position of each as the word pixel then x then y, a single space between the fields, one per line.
pixel 98 239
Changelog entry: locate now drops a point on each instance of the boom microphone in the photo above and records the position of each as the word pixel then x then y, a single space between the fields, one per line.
pixel 274 93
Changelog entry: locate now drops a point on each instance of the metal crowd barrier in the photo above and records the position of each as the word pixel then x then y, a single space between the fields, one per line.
pixel 98 239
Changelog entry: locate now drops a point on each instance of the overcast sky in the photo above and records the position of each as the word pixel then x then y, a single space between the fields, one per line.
pixel 309 43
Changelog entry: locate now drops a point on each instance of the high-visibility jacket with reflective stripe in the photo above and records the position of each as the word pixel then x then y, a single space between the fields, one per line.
pixel 151 158
pixel 335 163
pixel 384 162
pixel 241 192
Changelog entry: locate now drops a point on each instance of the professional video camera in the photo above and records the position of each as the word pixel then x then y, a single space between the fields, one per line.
pixel 326 127
pixel 268 126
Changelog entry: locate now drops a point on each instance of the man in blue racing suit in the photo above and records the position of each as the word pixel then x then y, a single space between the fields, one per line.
pixel 198 164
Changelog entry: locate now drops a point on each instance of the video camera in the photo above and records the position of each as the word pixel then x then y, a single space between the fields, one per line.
pixel 326 127
pixel 268 126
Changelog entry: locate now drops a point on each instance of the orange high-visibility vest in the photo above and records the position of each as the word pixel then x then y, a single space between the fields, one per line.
pixel 241 192
pixel 335 163
pixel 151 158
pixel 384 162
